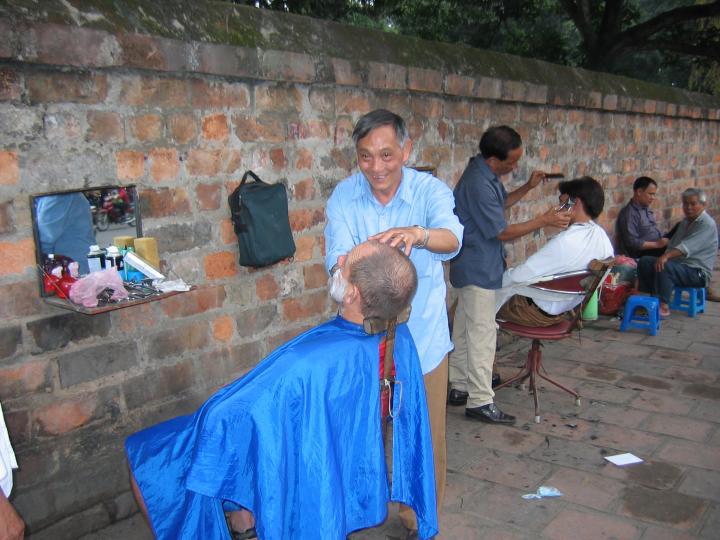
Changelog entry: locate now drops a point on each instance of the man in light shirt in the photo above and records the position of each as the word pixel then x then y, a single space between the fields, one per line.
pixel 572 249
pixel 11 525
pixel 405 208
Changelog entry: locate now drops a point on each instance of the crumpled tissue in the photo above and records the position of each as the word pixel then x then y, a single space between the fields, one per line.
pixel 174 285
pixel 542 492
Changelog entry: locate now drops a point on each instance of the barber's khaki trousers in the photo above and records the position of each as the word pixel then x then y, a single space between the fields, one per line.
pixel 436 392
pixel 474 336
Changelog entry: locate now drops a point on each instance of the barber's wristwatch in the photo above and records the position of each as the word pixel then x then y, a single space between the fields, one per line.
pixel 424 243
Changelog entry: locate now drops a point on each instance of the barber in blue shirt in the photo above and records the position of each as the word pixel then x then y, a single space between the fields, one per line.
pixel 413 211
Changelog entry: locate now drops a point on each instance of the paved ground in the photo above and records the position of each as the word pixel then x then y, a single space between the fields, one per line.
pixel 656 397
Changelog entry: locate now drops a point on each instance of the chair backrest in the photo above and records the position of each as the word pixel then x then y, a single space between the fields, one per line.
pixel 598 272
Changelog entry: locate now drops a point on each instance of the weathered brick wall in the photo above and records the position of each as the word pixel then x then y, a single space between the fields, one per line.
pixel 182 106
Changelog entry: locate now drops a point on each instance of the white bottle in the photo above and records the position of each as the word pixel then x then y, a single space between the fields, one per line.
pixel 96 259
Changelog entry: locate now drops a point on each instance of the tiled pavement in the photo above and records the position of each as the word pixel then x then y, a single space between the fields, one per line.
pixel 656 397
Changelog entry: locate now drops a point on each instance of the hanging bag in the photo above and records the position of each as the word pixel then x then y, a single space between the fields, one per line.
pixel 259 213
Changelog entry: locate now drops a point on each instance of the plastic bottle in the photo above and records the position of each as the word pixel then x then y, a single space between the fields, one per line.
pixel 113 258
pixel 48 279
pixel 96 259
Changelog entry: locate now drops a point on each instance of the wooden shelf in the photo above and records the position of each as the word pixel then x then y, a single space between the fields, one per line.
pixel 67 304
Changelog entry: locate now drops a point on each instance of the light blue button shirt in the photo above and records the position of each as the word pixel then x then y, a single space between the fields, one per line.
pixel 354 214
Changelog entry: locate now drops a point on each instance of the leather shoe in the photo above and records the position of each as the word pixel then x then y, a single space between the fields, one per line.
pixel 496 380
pixel 490 414
pixel 457 397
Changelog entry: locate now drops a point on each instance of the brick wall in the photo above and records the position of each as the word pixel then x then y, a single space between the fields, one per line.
pixel 84 103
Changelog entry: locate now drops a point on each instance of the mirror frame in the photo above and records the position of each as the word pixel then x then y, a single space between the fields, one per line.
pixel 36 233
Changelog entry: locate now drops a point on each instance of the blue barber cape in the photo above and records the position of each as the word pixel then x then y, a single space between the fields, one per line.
pixel 298 442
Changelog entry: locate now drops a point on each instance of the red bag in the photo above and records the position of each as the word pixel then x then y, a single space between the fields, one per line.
pixel 613 297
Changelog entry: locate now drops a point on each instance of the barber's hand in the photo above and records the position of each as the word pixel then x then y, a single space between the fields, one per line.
pixel 404 237
pixel 11 525
pixel 553 218
pixel 536 178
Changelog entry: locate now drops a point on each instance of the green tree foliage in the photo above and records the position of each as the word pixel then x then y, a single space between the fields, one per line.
pixel 666 41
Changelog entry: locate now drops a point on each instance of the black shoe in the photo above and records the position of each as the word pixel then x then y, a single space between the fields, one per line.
pixel 490 414
pixel 496 380
pixel 411 535
pixel 457 397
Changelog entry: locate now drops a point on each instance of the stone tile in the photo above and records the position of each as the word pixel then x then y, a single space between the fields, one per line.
pixel 576 455
pixel 505 439
pixel 623 337
pixel 568 524
pixel 678 426
pixel 502 504
pixel 715 439
pixel 701 483
pixel 692 375
pixel 671 508
pixel 672 341
pixel 711 525
pixel 658 533
pixel 600 373
pixel 675 358
pixel 506 469
pixel 707 410
pixel 641 382
pixel 707 391
pixel 691 453
pixel 629 349
pixel 654 402
pixel 462 490
pixel 596 390
pixel 651 474
pixel 621 415
pixel 469 527
pixel 586 489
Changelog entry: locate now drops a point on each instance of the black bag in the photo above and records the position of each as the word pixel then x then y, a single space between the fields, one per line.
pixel 259 214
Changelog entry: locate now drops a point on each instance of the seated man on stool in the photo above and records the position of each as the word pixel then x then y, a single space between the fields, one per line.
pixel 298 440
pixel 689 258
pixel 636 231
pixel 572 249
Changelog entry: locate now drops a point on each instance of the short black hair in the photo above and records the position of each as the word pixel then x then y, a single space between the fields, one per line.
pixel 498 141
pixel 643 182
pixel 589 191
pixel 378 118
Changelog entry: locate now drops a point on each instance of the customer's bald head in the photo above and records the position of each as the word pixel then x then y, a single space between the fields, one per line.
pixel 384 276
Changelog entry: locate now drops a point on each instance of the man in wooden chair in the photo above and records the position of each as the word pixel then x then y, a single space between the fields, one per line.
pixel 572 249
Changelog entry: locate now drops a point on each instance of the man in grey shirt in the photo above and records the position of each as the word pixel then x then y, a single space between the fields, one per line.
pixel 690 255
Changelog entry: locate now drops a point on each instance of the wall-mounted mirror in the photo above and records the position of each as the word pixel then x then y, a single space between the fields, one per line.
pixel 68 223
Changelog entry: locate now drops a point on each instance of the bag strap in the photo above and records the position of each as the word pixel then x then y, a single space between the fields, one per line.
pixel 255 178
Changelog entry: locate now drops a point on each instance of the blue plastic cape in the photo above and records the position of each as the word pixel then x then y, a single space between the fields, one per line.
pixel 298 442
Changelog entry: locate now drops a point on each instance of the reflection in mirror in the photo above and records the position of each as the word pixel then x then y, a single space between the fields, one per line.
pixel 67 224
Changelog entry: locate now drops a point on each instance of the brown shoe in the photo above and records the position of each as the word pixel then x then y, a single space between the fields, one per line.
pixel 711 295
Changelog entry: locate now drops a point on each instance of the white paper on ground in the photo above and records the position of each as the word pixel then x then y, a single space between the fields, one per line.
pixel 624 459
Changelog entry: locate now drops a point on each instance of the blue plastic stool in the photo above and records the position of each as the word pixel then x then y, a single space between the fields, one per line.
pixel 631 319
pixel 694 304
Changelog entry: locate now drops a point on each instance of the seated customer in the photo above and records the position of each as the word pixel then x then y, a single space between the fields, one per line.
pixel 572 249
pixel 298 441
pixel 636 231
pixel 689 258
